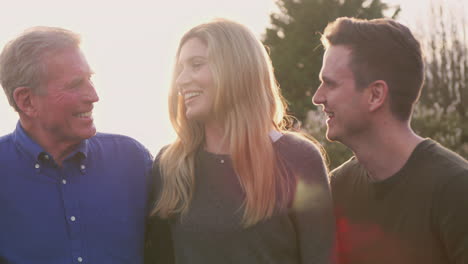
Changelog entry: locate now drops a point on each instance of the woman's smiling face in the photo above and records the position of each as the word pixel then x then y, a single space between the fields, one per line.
pixel 195 80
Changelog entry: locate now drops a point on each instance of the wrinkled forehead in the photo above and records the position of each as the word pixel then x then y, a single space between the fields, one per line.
pixel 66 62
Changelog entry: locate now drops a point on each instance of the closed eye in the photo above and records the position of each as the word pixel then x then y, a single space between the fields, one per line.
pixel 79 81
pixel 196 65
pixel 328 82
pixel 75 83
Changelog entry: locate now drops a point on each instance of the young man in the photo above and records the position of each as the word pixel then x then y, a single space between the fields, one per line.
pixel 401 198
pixel 67 194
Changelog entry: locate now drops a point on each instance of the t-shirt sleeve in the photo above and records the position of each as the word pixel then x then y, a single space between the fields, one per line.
pixel 312 212
pixel 451 217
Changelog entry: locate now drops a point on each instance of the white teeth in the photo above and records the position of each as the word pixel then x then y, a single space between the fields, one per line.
pixel 87 114
pixel 191 94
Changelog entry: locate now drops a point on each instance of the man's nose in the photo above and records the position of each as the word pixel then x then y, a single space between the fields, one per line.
pixel 91 94
pixel 318 97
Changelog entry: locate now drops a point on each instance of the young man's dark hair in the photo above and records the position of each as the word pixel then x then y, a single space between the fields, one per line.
pixel 382 49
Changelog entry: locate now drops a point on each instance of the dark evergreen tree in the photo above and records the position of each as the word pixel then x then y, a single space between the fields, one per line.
pixel 294 43
pixel 296 51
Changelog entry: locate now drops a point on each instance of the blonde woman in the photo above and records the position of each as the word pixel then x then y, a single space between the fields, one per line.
pixel 235 186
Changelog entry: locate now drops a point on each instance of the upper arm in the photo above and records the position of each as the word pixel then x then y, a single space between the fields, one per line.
pixel 451 217
pixel 158 240
pixel 312 211
pixel 156 179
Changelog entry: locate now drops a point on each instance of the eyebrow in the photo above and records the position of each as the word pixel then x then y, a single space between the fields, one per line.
pixel 195 57
pixel 78 80
pixel 327 80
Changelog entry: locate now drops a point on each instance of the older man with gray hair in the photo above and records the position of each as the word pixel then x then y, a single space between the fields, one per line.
pixel 67 193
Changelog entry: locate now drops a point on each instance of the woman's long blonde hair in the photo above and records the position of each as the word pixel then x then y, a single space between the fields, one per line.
pixel 248 101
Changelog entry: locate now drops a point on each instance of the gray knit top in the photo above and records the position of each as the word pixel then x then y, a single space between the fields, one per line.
pixel 211 232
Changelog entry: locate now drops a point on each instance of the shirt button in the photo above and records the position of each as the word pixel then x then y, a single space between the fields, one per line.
pixel 80 259
pixel 83 167
pixel 73 218
pixel 64 181
pixel 37 166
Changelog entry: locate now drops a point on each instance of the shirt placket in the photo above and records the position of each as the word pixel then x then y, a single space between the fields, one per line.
pixel 70 194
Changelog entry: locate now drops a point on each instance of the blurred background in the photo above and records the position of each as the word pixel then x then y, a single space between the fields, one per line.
pixel 131 45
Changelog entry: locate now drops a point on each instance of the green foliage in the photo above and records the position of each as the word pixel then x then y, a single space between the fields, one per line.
pixel 295 47
pixel 450 129
pixel 442 112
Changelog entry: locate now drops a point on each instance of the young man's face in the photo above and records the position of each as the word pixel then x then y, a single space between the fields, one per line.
pixel 64 110
pixel 342 102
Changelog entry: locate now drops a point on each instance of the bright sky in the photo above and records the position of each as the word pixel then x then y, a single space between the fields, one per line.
pixel 415 13
pixel 130 45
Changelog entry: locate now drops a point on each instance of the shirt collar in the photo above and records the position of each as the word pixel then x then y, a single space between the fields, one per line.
pixel 82 149
pixel 26 143
pixel 34 150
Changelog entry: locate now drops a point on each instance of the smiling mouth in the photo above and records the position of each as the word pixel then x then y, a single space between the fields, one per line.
pixel 330 115
pixel 84 115
pixel 190 95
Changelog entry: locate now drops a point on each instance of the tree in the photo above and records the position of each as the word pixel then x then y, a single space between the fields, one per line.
pixel 295 48
pixel 296 52
pixel 442 113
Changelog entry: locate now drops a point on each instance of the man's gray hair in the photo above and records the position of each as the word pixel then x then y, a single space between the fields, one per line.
pixel 22 59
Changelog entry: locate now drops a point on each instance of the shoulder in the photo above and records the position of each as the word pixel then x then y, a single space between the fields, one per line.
pixel 437 165
pixel 348 166
pixel 449 172
pixel 347 171
pixel 302 156
pixel 156 174
pixel 295 146
pixel 6 145
pixel 157 160
pixel 437 157
pixel 116 141
pixel 156 163
pixel 5 139
pixel 108 137
pixel 448 169
pixel 118 147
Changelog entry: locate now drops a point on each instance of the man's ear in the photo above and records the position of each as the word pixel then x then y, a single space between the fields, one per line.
pixel 378 92
pixel 24 101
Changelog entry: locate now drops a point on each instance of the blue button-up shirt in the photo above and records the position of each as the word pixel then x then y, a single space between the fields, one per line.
pixel 91 210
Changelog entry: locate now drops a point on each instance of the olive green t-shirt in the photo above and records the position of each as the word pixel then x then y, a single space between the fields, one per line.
pixel 419 215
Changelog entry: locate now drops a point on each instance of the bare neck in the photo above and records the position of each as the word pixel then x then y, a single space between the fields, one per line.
pixel 214 139
pixel 385 150
pixel 58 150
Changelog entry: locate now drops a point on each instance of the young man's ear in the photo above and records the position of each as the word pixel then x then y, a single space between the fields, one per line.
pixel 24 101
pixel 378 92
